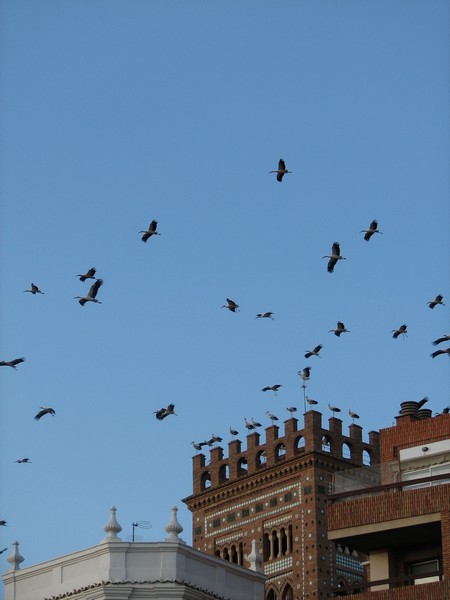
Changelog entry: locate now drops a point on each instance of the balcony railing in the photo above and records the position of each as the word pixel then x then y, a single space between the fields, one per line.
pixel 392 582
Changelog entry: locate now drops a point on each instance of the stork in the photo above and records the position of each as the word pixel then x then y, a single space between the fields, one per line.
pixel 311 402
pixel 12 363
pixel 334 409
pixel 255 423
pixel 216 438
pixel 305 374
pixel 91 296
pixel 353 415
pixel 197 446
pixel 34 289
pixel 314 352
pixel 444 338
pixel 281 171
pixel 272 388
pixel 265 315
pixel 88 275
pixel 234 432
pixel 162 413
pixel 271 416
pixel 231 305
pixel 334 257
pixel 23 460
pixel 44 411
pixel 248 425
pixel 291 409
pixel 436 301
pixel 373 228
pixel 400 331
pixel 150 231
pixel 340 328
pixel 440 351
pixel 3 523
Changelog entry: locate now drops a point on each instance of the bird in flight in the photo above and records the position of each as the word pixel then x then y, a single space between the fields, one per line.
pixel 272 388
pixel 88 275
pixel 12 363
pixel 34 289
pixel 150 231
pixel 44 411
pixel 305 374
pixel 436 301
pixel 3 523
pixel 23 460
pixel 231 305
pixel 314 352
pixel 340 328
pixel 440 351
pixel 265 315
pixel 162 413
pixel 400 331
pixel 444 338
pixel 281 171
pixel 91 296
pixel 334 257
pixel 373 228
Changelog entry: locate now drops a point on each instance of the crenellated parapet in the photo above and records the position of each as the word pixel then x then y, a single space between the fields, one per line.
pixel 278 449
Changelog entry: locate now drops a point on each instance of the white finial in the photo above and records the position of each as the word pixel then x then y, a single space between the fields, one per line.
pixel 15 558
pixel 254 558
pixel 173 528
pixel 112 527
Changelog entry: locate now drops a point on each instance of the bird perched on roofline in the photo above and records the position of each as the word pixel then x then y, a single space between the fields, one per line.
pixel 12 363
pixel 436 301
pixel 88 275
pixel 310 401
pixel 34 289
pixel 291 409
pixel 231 305
pixel 150 231
pixel 248 425
pixel 353 415
pixel 334 409
pixel 45 411
pixel 234 432
pixel 271 416
pixel 334 257
pixel 281 171
pixel 373 228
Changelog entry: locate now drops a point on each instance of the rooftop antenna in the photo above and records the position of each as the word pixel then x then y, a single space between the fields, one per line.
pixel 141 524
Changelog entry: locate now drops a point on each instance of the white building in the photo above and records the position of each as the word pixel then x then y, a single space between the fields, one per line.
pixel 121 570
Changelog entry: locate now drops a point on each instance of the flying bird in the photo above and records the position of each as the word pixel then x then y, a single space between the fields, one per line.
pixel 4 550
pixel 34 289
pixel 281 171
pixel 334 409
pixel 440 351
pixel 91 296
pixel 162 413
pixel 334 257
pixel 444 338
pixel 436 301
pixel 44 411
pixel 197 446
pixel 353 415
pixel 150 231
pixel 305 373
pixel 12 363
pixel 314 352
pixel 23 460
pixel 88 275
pixel 271 416
pixel 340 328
pixel 373 228
pixel 3 523
pixel 233 431
pixel 265 315
pixel 231 305
pixel 400 331
pixel 272 388
pixel 291 409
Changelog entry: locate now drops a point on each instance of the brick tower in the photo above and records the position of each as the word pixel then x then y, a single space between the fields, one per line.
pixel 276 492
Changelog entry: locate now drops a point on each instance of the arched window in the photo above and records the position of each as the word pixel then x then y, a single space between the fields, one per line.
pixel 280 451
pixel 242 466
pixel 346 451
pixel 233 555
pixel 326 447
pixel 367 459
pixel 266 547
pixel 271 595
pixel 225 554
pixel 261 458
pixel 283 541
pixel 288 593
pixel 224 473
pixel 300 443
pixel 205 481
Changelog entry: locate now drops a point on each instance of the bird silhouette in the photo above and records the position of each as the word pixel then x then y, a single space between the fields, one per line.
pixel 23 460
pixel 265 315
pixel 305 374
pixel 334 257
pixel 314 352
pixel 402 330
pixel 12 363
pixel 255 423
pixel 353 415
pixel 440 351
pixel 88 275
pixel 310 401
pixel 231 305
pixel 271 416
pixel 197 446
pixel 334 409
pixel 233 432
pixel 91 295
pixel 3 523
pixel 4 550
pixel 373 228
pixel 291 409
pixel 44 411
pixel 281 171
pixel 340 328
pixel 162 413
pixel 444 338
pixel 272 388
pixel 34 289
pixel 248 425
pixel 436 301
pixel 150 231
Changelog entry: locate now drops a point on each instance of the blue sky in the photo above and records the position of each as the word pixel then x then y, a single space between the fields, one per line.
pixel 114 113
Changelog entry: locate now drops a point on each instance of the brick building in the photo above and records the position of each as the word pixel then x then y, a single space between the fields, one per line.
pixel 399 514
pixel 276 492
